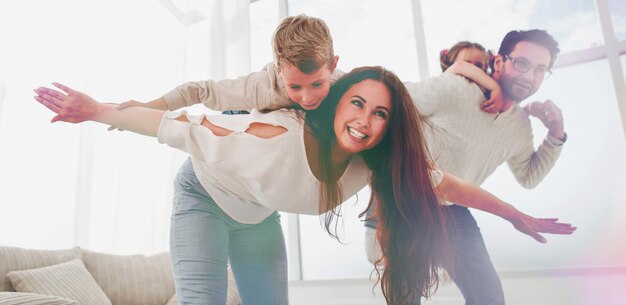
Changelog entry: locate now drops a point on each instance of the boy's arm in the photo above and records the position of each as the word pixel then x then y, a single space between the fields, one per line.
pixel 475 74
pixel 453 189
pixel 158 104
pixel 261 90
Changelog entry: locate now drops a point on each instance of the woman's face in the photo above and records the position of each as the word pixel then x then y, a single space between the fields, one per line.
pixel 362 116
pixel 473 56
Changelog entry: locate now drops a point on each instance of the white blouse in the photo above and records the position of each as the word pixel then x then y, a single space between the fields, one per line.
pixel 250 177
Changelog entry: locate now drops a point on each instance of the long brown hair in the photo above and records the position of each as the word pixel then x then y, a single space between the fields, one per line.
pixel 411 228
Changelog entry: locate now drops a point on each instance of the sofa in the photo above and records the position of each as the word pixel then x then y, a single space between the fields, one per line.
pixel 83 277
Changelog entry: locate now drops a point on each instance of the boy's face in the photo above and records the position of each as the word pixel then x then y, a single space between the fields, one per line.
pixel 307 90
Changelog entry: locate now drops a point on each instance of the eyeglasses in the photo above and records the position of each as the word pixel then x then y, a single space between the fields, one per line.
pixel 522 65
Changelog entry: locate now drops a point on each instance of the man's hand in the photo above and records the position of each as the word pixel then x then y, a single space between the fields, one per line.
pixel 70 106
pixel 550 115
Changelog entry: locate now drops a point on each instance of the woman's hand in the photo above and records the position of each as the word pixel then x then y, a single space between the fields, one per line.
pixel 453 189
pixel 70 106
pixel 533 226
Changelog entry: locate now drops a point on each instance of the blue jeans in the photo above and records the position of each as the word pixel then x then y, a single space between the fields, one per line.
pixel 473 272
pixel 203 239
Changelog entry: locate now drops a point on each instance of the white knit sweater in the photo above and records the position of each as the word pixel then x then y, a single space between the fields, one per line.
pixel 471 144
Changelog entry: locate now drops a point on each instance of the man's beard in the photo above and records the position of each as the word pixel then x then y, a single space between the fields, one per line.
pixel 516 89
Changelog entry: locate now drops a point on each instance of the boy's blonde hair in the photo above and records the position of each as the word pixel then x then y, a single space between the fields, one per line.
pixel 303 42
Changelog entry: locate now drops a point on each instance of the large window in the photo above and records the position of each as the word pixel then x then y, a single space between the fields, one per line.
pixel 573 23
pixel 63 185
pixel 586 186
pixel 369 32
pixel 618 16
pixel 263 20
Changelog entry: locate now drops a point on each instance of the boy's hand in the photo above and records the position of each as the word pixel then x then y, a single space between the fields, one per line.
pixel 494 103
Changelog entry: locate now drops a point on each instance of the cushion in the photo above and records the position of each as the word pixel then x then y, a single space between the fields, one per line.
pixel 20 298
pixel 12 259
pixel 132 279
pixel 69 280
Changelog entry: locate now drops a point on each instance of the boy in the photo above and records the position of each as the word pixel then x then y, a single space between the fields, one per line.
pixel 301 74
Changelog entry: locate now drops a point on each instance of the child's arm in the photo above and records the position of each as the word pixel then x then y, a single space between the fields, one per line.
pixel 259 90
pixel 455 190
pixel 158 104
pixel 479 76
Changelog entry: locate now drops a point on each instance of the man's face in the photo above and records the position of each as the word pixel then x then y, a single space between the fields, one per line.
pixel 521 73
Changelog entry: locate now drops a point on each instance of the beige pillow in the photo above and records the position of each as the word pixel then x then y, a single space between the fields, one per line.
pixel 13 258
pixel 20 298
pixel 132 279
pixel 69 280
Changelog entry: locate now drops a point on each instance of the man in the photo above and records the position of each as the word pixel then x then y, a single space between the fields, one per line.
pixel 471 144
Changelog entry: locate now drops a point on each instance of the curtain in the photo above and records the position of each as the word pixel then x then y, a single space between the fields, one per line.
pixel 64 185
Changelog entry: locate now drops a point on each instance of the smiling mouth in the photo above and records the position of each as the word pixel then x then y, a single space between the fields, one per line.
pixel 310 106
pixel 357 134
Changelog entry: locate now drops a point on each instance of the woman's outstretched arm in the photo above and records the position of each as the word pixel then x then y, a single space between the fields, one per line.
pixel 74 107
pixel 455 190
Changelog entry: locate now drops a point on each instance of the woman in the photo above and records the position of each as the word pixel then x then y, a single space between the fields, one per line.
pixel 366 130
